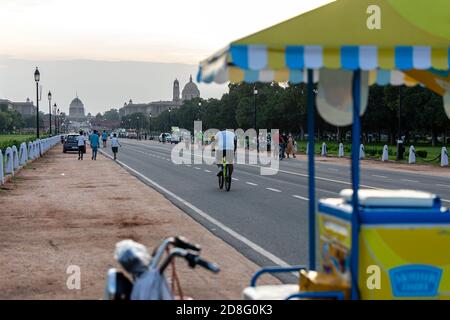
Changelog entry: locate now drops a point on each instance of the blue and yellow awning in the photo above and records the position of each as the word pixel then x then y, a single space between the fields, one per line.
pixel 410 44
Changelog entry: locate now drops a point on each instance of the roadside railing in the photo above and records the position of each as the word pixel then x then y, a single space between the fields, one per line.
pixel 14 159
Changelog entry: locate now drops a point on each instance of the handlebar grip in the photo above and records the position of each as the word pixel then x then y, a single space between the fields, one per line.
pixel 182 242
pixel 207 265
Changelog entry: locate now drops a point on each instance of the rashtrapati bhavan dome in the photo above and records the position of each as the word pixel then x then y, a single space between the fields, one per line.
pixel 76 110
pixel 190 91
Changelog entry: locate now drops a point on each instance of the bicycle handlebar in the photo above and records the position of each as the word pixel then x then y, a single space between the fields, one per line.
pixel 192 259
pixel 178 242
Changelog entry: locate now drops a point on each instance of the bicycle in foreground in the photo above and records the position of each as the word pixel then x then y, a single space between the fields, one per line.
pixel 145 278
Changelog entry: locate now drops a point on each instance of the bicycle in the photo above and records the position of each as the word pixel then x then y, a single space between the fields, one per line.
pixel 225 177
pixel 148 280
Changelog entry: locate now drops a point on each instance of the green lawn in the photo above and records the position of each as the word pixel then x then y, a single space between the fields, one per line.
pixel 8 140
pixel 374 151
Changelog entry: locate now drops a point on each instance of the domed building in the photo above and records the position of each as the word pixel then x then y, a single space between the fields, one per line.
pixel 190 91
pixel 76 110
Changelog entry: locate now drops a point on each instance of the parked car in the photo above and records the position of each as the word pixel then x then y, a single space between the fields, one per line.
pixel 165 137
pixel 70 143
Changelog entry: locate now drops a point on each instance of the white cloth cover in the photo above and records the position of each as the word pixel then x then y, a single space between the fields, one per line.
pixel 444 157
pixel 151 286
pixel 335 97
pixel 362 153
pixel 307 148
pixel 341 150
pixel 412 155
pixel 391 198
pixel 385 156
pixel 323 153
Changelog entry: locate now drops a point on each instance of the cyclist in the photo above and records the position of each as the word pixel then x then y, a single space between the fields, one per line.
pixel 225 146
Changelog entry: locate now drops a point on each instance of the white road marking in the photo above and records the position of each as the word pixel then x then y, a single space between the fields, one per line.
pixel 407 180
pixel 378 176
pixel 231 232
pixel 251 183
pixel 300 197
pixel 235 179
pixel 333 169
pixel 208 171
pixel 274 190
pixel 197 168
pixel 443 185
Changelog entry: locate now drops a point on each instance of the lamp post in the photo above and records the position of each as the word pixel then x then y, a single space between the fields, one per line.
pixel 54 113
pixel 50 112
pixel 37 77
pixel 170 110
pixel 57 121
pixel 255 93
pixel 150 125
pixel 138 125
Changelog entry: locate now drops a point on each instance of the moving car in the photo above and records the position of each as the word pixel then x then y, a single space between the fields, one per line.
pixel 70 143
pixel 165 137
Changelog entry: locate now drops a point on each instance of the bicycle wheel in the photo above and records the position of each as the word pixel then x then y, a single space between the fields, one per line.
pixel 228 183
pixel 227 178
pixel 221 181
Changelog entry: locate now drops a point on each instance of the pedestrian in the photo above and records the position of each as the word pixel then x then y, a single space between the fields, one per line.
pixel 95 143
pixel 290 146
pixel 80 144
pixel 85 137
pixel 115 145
pixel 104 138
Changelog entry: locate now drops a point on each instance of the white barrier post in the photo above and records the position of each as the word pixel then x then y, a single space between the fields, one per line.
pixel 324 150
pixel 385 155
pixel 307 148
pixel 15 158
pixel 23 154
pixel 2 175
pixel 362 153
pixel 30 150
pixel 412 155
pixel 9 166
pixel 444 157
pixel 341 150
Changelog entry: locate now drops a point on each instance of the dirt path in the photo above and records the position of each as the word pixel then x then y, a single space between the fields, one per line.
pixel 59 212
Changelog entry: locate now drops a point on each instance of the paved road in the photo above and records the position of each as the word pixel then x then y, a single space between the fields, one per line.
pixel 264 217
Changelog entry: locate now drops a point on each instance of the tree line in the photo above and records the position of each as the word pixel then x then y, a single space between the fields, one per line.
pixel 421 113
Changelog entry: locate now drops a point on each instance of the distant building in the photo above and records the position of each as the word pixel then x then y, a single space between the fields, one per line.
pixel 26 109
pixel 190 91
pixel 76 110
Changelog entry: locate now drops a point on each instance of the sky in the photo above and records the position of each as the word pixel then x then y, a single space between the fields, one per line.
pixel 75 41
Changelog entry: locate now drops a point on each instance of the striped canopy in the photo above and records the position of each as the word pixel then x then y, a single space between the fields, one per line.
pixel 397 41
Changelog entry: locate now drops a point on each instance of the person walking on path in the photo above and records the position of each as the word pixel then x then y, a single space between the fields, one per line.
pixel 104 138
pixel 290 146
pixel 81 144
pixel 115 145
pixel 95 143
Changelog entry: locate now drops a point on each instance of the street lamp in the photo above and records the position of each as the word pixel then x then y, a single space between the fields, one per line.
pixel 150 124
pixel 54 112
pixel 255 93
pixel 57 122
pixel 37 77
pixel 170 110
pixel 138 125
pixel 50 111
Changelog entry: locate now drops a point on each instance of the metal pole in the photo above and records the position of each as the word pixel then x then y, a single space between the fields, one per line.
pixel 311 180
pixel 37 110
pixel 50 115
pixel 256 129
pixel 356 141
